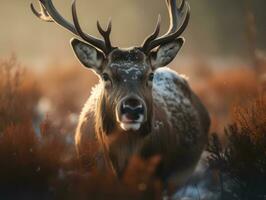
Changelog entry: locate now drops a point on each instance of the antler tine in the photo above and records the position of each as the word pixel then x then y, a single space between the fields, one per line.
pixel 182 5
pixel 173 15
pixel 42 14
pixel 49 13
pixel 106 33
pixel 153 35
pixel 174 30
pixel 96 42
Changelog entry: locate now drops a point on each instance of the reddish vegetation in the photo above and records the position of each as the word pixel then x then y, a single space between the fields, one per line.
pixel 222 91
pixel 71 82
pixel 242 162
pixel 39 161
pixel 19 94
pixel 37 152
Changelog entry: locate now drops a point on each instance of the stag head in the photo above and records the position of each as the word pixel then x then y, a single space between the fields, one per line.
pixel 127 74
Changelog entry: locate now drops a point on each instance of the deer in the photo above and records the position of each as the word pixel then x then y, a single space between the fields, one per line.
pixel 140 106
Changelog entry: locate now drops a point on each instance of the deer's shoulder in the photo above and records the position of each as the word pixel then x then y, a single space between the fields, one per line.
pixel 172 94
pixel 170 88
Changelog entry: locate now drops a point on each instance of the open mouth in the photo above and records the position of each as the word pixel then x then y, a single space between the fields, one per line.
pixel 127 123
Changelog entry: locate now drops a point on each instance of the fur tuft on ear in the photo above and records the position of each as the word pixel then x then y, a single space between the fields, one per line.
pixel 88 55
pixel 166 53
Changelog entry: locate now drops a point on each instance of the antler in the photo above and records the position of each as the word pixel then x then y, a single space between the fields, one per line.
pixel 175 28
pixel 49 13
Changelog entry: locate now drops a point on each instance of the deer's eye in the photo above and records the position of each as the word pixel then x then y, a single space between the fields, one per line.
pixel 151 76
pixel 105 77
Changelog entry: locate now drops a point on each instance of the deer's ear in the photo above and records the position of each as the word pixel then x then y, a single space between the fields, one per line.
pixel 166 53
pixel 88 55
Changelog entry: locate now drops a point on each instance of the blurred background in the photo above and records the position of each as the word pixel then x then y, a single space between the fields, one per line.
pixel 217 29
pixel 43 89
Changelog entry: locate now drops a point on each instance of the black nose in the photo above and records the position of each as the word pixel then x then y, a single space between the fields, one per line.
pixel 132 108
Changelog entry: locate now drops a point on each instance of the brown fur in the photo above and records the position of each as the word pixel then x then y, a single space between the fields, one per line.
pixel 168 119
pixel 179 140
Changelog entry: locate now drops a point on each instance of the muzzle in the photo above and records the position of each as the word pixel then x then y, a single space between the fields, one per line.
pixel 131 113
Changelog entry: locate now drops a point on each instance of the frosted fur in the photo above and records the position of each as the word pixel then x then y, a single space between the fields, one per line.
pixel 175 125
pixel 168 95
pixel 165 91
pixel 129 68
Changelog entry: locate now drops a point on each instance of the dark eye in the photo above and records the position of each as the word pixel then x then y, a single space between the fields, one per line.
pixel 151 76
pixel 105 77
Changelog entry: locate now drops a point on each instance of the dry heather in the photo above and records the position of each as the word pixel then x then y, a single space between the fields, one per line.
pixel 38 159
pixel 29 155
pixel 19 94
pixel 223 90
pixel 242 161
pixel 64 91
pixel 67 86
pixel 37 154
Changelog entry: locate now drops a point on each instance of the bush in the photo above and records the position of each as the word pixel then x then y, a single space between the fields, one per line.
pixel 242 163
pixel 223 90
pixel 19 94
pixel 38 159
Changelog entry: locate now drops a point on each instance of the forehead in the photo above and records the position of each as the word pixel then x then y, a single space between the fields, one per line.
pixel 128 64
